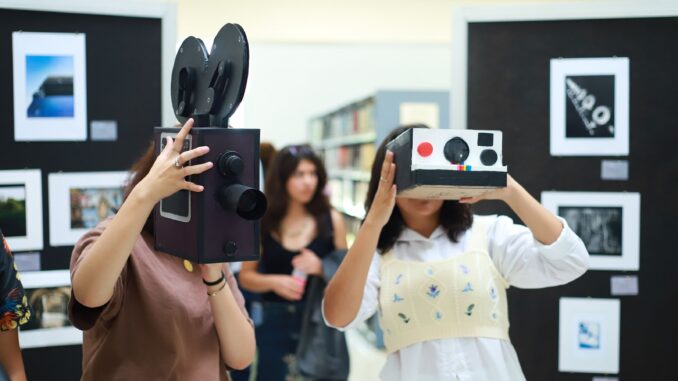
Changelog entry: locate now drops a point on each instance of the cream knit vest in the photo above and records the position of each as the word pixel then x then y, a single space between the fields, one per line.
pixel 464 296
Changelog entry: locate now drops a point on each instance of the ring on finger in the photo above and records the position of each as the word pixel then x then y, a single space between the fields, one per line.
pixel 177 164
pixel 383 179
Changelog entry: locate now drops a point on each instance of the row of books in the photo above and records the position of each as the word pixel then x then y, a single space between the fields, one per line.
pixel 348 196
pixel 353 157
pixel 355 119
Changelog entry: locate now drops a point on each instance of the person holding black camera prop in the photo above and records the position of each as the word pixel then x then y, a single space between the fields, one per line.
pixel 152 305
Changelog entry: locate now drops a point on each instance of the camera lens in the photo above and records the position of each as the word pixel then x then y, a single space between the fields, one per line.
pixel 246 202
pixel 456 150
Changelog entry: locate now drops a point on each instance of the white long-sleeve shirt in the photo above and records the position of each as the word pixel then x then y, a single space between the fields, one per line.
pixel 523 262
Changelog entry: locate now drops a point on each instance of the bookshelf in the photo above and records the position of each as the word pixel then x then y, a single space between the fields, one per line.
pixel 347 139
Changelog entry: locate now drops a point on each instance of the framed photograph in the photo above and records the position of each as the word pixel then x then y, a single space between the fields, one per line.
pixel 588 338
pixel 50 99
pixel 607 222
pixel 21 208
pixel 48 293
pixel 590 107
pixel 79 201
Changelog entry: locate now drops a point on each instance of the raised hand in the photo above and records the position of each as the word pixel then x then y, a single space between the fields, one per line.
pixel 168 173
pixel 384 200
pixel 287 287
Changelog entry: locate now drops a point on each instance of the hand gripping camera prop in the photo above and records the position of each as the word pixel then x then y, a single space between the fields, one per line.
pixel 221 223
pixel 447 164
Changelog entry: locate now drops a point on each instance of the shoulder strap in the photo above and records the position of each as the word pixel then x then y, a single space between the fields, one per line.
pixel 386 257
pixel 478 239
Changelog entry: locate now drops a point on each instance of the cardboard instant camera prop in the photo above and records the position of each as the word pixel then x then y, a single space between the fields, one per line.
pixel 221 223
pixel 447 164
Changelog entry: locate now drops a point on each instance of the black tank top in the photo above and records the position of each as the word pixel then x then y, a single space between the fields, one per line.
pixel 275 259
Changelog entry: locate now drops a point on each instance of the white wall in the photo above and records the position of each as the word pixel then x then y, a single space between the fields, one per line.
pixel 290 83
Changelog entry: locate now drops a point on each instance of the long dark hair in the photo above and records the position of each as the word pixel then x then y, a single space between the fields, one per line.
pixel 455 218
pixel 284 163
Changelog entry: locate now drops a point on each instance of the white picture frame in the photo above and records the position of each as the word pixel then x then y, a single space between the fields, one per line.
pixel 589 106
pixel 79 191
pixel 466 13
pixel 50 86
pixel 595 217
pixel 589 335
pixel 24 185
pixel 48 292
pixel 165 12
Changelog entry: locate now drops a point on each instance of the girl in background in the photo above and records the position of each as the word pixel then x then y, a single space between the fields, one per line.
pixel 437 274
pixel 302 238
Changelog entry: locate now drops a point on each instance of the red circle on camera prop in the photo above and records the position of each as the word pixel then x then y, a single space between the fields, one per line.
pixel 425 149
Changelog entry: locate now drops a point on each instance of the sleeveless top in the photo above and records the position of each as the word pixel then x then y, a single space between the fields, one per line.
pixel 276 259
pixel 464 296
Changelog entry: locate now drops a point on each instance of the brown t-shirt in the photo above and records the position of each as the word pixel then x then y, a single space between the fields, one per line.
pixel 158 324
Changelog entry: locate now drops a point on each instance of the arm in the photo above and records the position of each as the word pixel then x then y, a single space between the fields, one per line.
pixel 10 355
pixel 95 277
pixel 283 285
pixel 544 225
pixel 546 253
pixel 14 311
pixel 236 334
pixel 345 292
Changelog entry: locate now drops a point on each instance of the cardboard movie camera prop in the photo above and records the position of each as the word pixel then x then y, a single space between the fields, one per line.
pixel 447 164
pixel 221 223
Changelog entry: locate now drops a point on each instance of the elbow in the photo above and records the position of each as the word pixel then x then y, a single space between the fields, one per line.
pixel 331 315
pixel 87 299
pixel 240 364
pixel 85 296
pixel 242 359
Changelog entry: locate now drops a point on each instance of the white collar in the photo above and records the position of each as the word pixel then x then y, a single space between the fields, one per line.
pixel 411 235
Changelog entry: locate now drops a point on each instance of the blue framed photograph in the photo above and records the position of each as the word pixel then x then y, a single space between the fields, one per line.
pixel 50 86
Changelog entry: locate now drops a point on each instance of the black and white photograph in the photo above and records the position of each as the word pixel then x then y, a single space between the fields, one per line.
pixel 50 99
pixel 48 294
pixel 599 227
pixel 589 106
pixel 607 222
pixel 78 201
pixel 21 208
